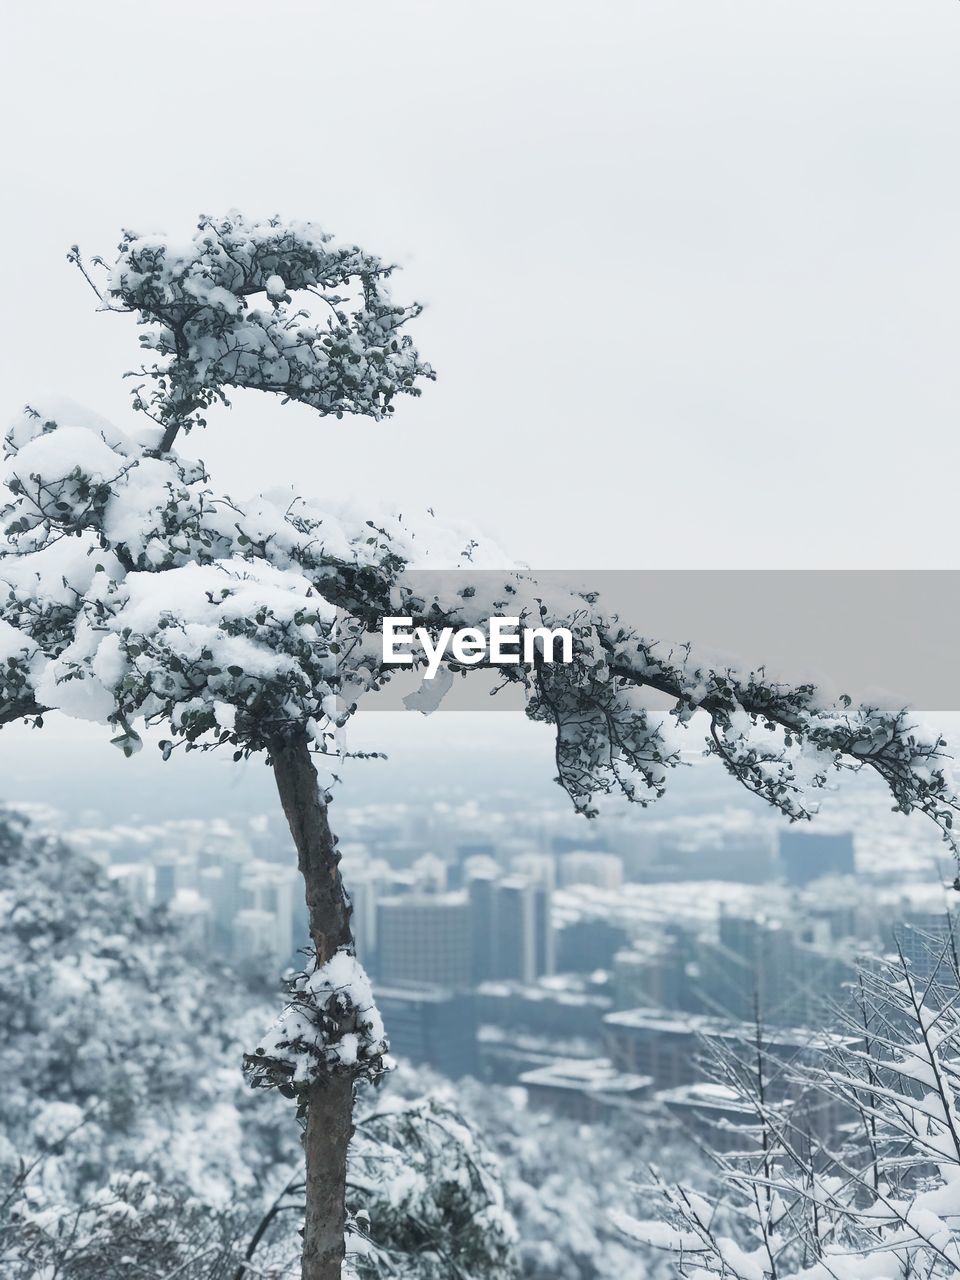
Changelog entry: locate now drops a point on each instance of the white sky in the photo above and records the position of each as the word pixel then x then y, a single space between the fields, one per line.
pixel 691 266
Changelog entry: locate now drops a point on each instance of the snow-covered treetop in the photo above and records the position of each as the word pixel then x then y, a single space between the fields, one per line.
pixel 132 587
pixel 272 306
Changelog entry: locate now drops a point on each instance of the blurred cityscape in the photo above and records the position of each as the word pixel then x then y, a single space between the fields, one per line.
pixel 586 962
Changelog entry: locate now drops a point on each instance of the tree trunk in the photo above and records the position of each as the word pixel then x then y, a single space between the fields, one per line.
pixel 329 1105
pixel 325 1144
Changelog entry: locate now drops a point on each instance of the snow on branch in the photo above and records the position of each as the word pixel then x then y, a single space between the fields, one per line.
pixel 330 1026
pixel 781 741
pixel 270 306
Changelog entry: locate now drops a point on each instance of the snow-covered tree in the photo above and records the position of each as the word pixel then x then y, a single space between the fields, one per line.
pixel 854 1173
pixel 115 1039
pixel 125 1130
pixel 129 1146
pixel 133 589
pixel 129 1229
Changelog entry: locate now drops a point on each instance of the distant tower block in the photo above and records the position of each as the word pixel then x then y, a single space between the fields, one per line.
pixel 806 856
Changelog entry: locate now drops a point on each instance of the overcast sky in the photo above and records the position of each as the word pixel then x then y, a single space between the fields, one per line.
pixel 691 266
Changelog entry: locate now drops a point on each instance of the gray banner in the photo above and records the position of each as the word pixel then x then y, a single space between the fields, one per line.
pixel 882 633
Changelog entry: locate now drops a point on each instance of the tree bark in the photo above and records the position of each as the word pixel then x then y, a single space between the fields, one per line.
pixel 329 1105
pixel 325 1145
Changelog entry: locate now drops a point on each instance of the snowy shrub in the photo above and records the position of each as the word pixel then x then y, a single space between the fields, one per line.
pixel 118 1048
pixel 856 1178
pixel 131 1227
pixel 433 1203
pixel 129 1146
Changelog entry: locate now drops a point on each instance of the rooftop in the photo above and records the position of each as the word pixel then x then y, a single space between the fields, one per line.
pixel 590 1075
pixel 666 1022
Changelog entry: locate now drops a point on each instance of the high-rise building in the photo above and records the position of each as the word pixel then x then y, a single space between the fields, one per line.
pixel 604 870
pixel 539 868
pixel 229 896
pixel 753 970
pixel 257 939
pixel 514 935
pixel 431 1024
pixel 482 895
pixel 929 942
pixel 544 936
pixel 369 882
pixel 677 1050
pixel 588 944
pixel 272 890
pixel 165 881
pixel 768 965
pixel 809 855
pixel 194 916
pixel 654 970
pixel 511 928
pixel 430 873
pixel 425 939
